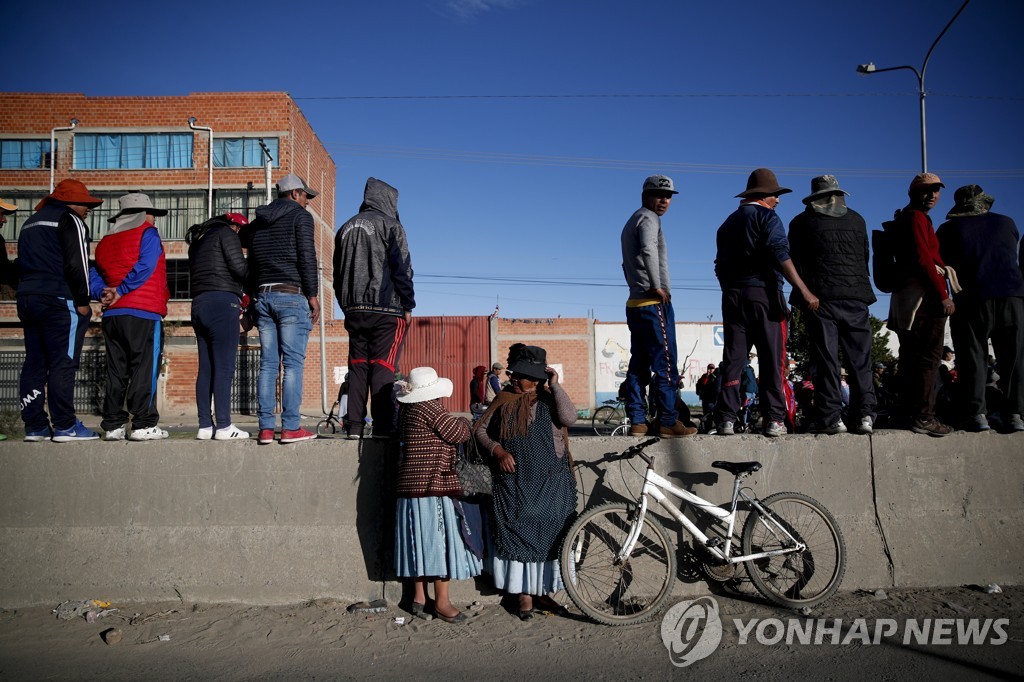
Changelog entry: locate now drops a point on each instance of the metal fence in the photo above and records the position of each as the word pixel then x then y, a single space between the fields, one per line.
pixel 92 373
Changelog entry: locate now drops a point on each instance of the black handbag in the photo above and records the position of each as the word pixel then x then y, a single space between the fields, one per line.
pixel 475 477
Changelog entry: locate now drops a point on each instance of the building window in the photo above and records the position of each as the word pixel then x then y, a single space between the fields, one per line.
pixel 24 153
pixel 242 152
pixel 135 150
pixel 179 281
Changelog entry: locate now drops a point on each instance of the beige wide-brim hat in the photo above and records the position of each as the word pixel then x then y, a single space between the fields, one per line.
pixel 424 385
pixel 134 207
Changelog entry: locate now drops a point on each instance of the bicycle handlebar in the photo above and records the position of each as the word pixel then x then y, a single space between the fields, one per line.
pixel 634 450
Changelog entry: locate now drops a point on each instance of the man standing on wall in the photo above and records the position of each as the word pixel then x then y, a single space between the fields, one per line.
pixel 753 257
pixel 829 246
pixel 373 284
pixel 53 306
pixel 282 261
pixel 981 245
pixel 131 270
pixel 649 314
pixel 920 303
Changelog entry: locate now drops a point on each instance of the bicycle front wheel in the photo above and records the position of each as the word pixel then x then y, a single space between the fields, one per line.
pixel 610 590
pixel 798 579
pixel 606 419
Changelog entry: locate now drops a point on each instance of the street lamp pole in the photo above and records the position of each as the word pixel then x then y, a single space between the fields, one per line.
pixel 870 68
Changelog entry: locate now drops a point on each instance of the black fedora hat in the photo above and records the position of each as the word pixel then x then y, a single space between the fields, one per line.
pixel 530 362
pixel 762 182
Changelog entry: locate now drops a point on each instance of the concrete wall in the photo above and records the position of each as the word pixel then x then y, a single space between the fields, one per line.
pixel 277 524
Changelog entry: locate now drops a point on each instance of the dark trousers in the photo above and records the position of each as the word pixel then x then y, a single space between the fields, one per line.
pixel 215 320
pixel 54 333
pixel 841 324
pixel 751 321
pixel 133 360
pixel 971 326
pixel 652 361
pixel 920 353
pixel 374 348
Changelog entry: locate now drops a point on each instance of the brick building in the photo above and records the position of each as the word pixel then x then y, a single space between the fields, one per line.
pixel 149 144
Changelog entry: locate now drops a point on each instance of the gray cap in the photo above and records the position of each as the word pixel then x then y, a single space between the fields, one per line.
pixel 659 183
pixel 291 182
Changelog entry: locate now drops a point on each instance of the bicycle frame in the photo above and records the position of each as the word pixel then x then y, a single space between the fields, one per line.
pixel 654 484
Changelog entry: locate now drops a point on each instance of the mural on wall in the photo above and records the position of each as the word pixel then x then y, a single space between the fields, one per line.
pixel 697 344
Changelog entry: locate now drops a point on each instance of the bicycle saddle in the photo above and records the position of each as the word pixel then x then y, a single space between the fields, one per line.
pixel 737 468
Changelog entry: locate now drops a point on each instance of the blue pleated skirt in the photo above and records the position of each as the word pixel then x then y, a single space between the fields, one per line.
pixel 535 577
pixel 428 542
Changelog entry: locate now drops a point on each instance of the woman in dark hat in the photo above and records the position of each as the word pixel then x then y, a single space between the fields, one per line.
pixel 524 430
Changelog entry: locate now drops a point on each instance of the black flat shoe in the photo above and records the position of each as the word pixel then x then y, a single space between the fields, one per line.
pixel 418 610
pixel 526 615
pixel 549 605
pixel 457 619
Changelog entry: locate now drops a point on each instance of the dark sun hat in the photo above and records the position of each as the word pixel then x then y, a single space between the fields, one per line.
pixel 530 362
pixel 822 185
pixel 763 183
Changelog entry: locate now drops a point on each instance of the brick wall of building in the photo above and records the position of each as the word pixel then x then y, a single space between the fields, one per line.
pixel 232 114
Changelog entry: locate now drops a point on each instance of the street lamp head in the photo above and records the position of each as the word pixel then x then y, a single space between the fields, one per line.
pixel 74 121
pixel 866 68
pixel 192 120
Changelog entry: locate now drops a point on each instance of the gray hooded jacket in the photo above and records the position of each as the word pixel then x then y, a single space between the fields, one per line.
pixel 372 268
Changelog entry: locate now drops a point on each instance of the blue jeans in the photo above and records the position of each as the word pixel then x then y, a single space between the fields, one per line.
pixel 652 332
pixel 284 324
pixel 215 321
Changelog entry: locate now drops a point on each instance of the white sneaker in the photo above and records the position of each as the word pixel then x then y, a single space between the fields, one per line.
pixel 726 429
pixel 232 432
pixel 115 434
pixel 205 433
pixel 867 425
pixel 152 433
pixel 775 429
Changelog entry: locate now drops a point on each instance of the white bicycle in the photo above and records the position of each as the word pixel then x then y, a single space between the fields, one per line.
pixel 619 564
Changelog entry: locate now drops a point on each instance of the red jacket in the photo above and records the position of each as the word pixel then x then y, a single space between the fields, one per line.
pixel 116 255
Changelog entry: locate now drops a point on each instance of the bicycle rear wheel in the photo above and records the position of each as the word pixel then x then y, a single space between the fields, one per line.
pixel 802 578
pixel 606 419
pixel 610 591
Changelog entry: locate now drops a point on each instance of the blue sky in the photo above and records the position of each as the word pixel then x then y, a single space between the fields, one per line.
pixel 518 132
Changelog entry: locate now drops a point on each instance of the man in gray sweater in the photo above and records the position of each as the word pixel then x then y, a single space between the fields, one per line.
pixel 649 314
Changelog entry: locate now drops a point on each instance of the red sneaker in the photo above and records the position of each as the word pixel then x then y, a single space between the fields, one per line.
pixel 296 436
pixel 266 436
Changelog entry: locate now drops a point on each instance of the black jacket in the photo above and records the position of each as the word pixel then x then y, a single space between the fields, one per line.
pixel 831 254
pixel 281 244
pixel 215 259
pixel 53 254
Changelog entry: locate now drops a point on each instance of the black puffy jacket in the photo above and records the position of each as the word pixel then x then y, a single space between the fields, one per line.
pixel 215 259
pixel 831 254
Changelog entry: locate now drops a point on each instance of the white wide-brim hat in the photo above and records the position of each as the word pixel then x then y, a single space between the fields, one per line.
pixel 424 385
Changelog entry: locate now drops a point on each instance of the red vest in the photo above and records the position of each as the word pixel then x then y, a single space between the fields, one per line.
pixel 116 255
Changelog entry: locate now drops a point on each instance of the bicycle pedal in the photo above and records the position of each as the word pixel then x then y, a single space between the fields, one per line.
pixel 713 542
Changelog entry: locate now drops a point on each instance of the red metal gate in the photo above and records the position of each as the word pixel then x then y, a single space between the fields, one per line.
pixel 451 345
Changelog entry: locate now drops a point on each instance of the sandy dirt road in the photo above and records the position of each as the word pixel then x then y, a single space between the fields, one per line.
pixel 321 640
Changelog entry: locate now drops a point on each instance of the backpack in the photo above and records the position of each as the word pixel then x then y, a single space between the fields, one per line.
pixel 883 258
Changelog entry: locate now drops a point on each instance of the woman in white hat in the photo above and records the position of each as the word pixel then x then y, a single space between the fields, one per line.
pixel 429 522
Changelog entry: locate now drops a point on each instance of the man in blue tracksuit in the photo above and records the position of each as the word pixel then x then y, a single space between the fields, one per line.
pixel 53 306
